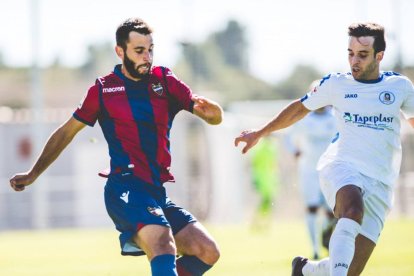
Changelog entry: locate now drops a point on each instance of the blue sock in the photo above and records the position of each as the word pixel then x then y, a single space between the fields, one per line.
pixel 163 265
pixel 191 265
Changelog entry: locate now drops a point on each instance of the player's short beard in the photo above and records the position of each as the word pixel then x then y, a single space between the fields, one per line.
pixel 133 69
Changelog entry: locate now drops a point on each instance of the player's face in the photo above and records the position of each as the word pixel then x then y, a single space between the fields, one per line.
pixel 138 56
pixel 364 64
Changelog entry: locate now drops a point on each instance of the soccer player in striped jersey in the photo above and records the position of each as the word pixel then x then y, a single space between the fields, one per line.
pixel 135 106
pixel 360 167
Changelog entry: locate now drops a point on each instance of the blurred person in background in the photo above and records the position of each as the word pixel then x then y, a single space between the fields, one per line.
pixel 265 179
pixel 307 140
pixel 359 169
pixel 135 106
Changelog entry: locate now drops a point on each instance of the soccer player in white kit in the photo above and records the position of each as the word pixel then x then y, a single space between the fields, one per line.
pixel 308 139
pixel 359 168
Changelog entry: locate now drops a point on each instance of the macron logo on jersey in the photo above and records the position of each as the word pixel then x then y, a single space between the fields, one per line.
pixel 113 89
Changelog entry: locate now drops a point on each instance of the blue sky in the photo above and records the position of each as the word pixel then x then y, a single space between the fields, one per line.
pixel 281 34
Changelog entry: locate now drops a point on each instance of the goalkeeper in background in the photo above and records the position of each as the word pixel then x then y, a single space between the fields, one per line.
pixel 265 178
pixel 307 141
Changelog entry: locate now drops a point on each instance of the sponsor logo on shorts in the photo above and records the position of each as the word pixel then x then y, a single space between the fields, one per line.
pixel 124 196
pixel 156 211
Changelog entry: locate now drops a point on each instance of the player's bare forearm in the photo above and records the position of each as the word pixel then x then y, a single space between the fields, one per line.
pixel 292 113
pixel 287 117
pixel 208 110
pixel 56 143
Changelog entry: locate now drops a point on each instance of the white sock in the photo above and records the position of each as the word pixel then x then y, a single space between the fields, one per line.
pixel 342 246
pixel 311 219
pixel 316 268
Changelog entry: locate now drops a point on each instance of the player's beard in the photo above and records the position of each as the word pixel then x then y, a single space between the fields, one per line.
pixel 367 72
pixel 133 69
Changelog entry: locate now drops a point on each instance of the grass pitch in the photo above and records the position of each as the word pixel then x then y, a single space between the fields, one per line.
pixel 244 251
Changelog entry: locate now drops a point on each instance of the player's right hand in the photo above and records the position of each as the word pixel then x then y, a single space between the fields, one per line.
pixel 19 181
pixel 250 137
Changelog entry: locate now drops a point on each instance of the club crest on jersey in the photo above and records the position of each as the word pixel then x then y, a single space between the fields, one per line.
pixel 386 97
pixel 156 211
pixel 157 88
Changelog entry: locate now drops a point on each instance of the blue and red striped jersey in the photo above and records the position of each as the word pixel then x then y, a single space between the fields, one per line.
pixel 136 118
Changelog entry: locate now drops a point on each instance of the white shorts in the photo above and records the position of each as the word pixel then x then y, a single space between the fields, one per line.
pixel 376 195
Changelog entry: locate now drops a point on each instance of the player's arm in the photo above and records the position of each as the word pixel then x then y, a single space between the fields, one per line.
pixel 208 110
pixel 58 141
pixel 287 117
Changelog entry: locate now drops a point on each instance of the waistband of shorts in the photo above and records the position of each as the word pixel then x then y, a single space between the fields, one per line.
pixel 135 183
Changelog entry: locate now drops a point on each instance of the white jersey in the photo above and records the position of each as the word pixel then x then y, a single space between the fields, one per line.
pixel 368 121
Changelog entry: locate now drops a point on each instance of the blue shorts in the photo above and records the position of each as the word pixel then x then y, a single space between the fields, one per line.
pixel 132 204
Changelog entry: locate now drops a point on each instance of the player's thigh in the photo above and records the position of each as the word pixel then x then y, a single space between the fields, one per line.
pixel 195 240
pixel 190 236
pixel 377 202
pixel 132 208
pixel 155 240
pixel 363 250
pixel 335 176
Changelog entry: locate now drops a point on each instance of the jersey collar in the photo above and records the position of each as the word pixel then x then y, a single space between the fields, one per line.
pixel 372 81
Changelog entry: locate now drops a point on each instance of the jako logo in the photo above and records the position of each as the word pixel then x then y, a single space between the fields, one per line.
pixel 341 265
pixel 114 89
pixel 347 96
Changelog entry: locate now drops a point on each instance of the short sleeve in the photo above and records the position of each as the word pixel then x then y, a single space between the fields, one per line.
pixel 179 91
pixel 319 96
pixel 88 109
pixel 408 105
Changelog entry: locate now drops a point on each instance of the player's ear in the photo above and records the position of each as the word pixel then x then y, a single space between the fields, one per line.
pixel 119 52
pixel 379 56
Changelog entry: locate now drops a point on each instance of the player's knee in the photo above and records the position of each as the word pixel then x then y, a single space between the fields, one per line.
pixel 208 252
pixel 354 213
pixel 161 247
pixel 214 252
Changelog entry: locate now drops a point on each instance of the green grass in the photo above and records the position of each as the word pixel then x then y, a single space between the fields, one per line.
pixel 244 252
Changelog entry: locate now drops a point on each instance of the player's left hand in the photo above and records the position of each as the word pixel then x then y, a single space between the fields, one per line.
pixel 250 137
pixel 207 109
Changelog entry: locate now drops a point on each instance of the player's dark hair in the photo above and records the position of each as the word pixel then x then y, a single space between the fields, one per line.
pixel 131 25
pixel 369 29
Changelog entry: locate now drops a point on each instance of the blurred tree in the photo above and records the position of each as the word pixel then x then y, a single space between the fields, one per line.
pixel 101 59
pixel 196 59
pixel 2 63
pixel 233 45
pixel 219 66
pixel 297 83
